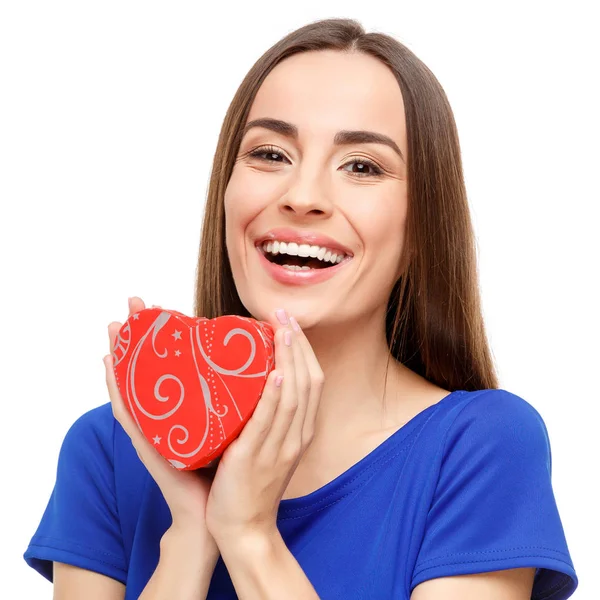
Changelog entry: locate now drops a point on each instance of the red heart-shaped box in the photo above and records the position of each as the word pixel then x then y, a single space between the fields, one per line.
pixel 191 383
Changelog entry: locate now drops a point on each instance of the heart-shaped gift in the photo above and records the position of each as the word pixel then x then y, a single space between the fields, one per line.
pixel 192 383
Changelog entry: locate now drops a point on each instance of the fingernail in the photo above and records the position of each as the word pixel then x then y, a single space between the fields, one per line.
pixel 281 316
pixel 294 324
pixel 129 303
pixel 278 380
pixel 287 338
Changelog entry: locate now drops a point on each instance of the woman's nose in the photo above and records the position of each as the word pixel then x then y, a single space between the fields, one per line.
pixel 306 196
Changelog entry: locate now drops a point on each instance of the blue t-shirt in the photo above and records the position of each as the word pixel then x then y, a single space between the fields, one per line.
pixel 463 487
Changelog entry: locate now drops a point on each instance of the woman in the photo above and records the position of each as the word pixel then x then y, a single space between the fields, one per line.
pixel 387 463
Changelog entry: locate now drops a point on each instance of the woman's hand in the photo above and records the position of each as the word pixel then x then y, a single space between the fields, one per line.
pixel 256 468
pixel 185 492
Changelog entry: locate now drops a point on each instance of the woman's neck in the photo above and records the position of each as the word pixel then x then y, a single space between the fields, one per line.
pixel 354 360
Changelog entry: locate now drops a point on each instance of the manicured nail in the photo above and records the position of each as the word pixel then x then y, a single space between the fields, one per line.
pixel 281 316
pixel 294 324
pixel 287 338
pixel 278 380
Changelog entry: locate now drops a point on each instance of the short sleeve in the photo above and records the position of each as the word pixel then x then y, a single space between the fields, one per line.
pixel 494 507
pixel 80 525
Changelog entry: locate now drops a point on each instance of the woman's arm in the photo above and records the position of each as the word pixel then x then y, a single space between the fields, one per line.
pixel 262 568
pixel 184 572
pixel 73 582
pixel 184 569
pixel 510 584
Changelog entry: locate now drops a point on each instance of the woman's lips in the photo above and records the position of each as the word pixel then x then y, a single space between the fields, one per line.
pixel 299 277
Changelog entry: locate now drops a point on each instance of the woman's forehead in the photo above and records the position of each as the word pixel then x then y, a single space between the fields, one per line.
pixel 324 92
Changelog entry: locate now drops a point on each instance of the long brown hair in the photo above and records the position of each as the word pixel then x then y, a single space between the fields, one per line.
pixel 434 322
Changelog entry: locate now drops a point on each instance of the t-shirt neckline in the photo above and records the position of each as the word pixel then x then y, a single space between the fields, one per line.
pixel 355 476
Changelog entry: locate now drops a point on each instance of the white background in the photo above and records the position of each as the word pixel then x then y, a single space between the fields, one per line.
pixel 109 117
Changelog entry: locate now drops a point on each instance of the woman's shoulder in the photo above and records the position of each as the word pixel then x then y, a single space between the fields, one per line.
pixel 488 496
pixel 494 420
pixel 481 408
pixel 96 435
pixel 92 428
pixel 99 418
pixel 492 406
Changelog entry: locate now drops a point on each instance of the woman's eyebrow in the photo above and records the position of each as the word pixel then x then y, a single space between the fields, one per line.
pixel 341 137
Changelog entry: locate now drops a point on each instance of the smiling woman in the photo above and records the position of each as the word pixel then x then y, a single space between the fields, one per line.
pixel 402 470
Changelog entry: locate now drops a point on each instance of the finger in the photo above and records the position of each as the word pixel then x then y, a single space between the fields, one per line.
pixel 303 387
pixel 258 426
pixel 288 403
pixel 113 331
pixel 317 382
pixel 136 304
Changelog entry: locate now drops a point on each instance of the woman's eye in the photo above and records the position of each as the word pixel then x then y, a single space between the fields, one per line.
pixel 260 152
pixel 363 171
pixel 365 165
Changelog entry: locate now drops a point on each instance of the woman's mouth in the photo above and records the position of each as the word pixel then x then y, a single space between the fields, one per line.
pixel 291 269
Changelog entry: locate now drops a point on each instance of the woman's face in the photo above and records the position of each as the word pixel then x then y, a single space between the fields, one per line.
pixel 311 185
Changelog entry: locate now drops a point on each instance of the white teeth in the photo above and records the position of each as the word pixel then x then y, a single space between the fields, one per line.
pixel 304 250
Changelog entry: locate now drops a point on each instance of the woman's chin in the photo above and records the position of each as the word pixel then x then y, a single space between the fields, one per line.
pixel 302 314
